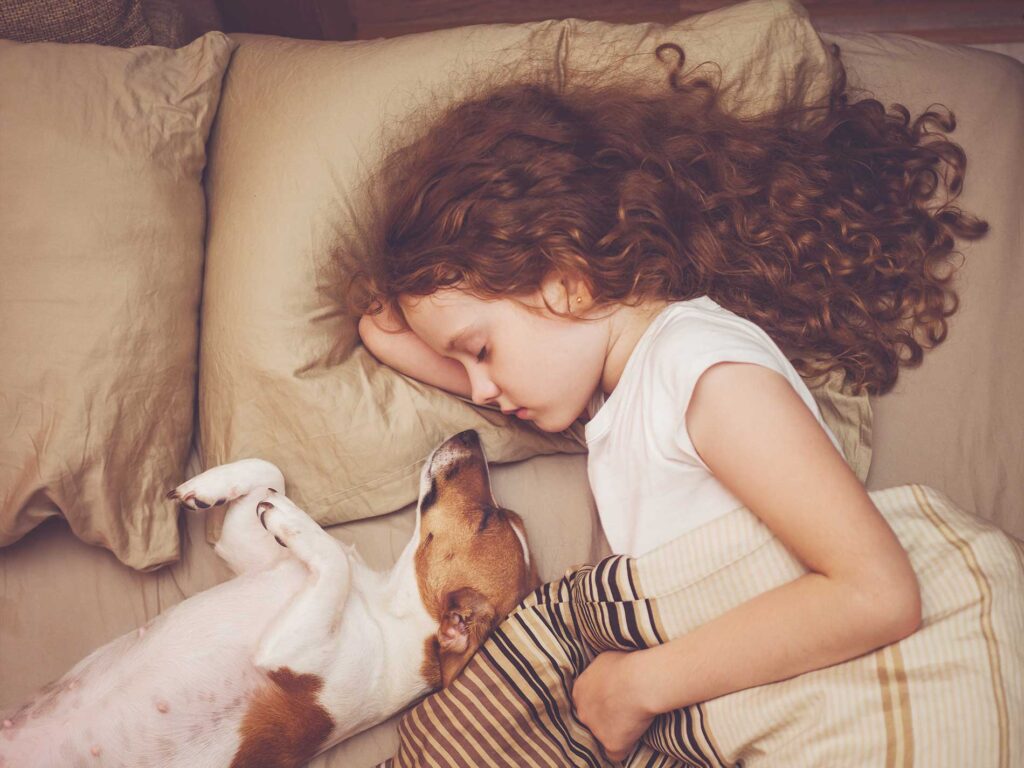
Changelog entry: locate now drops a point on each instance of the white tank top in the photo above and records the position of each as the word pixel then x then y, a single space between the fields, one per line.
pixel 647 479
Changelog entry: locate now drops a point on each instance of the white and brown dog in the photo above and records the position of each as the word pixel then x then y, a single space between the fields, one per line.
pixel 305 647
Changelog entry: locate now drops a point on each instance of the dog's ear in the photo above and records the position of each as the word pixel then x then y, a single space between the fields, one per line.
pixel 467 617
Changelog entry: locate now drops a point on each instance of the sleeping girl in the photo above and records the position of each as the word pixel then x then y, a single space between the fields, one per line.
pixel 670 274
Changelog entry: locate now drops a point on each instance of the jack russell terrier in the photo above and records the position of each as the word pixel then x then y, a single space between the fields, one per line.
pixel 305 647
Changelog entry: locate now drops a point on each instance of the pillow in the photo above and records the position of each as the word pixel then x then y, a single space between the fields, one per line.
pixel 283 375
pixel 106 22
pixel 101 249
pixel 956 422
pixel 849 416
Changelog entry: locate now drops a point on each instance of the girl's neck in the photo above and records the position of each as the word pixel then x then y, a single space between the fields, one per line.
pixel 626 326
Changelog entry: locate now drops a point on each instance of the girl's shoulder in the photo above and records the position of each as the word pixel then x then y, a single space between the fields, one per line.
pixel 681 342
pixel 700 331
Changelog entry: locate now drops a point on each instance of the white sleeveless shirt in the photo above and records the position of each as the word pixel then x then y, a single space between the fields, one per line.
pixel 647 479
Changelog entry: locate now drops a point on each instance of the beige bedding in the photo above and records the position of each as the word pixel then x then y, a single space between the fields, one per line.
pixel 60 598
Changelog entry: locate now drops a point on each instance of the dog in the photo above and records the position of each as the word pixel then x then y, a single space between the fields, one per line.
pixel 304 647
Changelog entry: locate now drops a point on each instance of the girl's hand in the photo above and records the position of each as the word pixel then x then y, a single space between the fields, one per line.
pixel 606 701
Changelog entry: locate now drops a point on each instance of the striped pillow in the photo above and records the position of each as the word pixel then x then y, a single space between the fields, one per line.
pixel 950 694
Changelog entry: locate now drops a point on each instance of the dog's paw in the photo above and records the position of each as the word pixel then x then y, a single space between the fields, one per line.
pixel 225 483
pixel 284 520
pixel 297 531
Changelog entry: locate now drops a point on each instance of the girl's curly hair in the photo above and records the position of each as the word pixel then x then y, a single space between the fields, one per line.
pixel 822 225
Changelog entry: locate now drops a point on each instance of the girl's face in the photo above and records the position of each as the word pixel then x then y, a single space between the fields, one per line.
pixel 515 359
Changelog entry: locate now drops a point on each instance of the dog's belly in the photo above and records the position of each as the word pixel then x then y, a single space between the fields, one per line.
pixel 170 696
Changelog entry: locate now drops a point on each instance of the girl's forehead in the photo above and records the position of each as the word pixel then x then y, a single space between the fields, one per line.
pixel 447 302
pixel 451 306
pixel 442 313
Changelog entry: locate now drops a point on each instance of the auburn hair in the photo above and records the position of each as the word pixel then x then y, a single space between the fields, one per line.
pixel 830 226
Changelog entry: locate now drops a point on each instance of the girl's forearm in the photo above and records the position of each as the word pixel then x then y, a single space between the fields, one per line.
pixel 408 354
pixel 809 623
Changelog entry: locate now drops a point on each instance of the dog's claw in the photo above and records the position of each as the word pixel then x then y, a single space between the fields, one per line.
pixel 261 509
pixel 171 493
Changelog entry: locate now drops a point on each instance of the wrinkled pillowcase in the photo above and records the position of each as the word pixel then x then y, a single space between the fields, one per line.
pixel 102 217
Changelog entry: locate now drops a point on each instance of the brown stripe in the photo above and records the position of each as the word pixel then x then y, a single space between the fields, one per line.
pixel 548 688
pixel 903 697
pixel 427 744
pixel 892 678
pixel 496 686
pixel 888 707
pixel 457 740
pixel 406 737
pixel 446 741
pixel 985 590
pixel 522 748
pixel 470 709
pixel 413 738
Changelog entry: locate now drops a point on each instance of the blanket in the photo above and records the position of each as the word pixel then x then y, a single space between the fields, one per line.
pixel 952 693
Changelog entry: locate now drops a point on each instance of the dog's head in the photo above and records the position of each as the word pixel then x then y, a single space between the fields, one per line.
pixel 473 563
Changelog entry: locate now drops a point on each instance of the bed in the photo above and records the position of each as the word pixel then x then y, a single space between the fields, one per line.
pixel 956 423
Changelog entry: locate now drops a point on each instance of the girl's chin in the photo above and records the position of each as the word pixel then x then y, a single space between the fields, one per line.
pixel 546 426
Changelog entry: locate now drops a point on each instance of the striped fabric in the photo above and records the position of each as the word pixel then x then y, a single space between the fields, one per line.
pixel 951 694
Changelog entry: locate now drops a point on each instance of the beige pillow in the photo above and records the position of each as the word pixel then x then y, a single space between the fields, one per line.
pixel 101 248
pixel 283 375
pixel 850 418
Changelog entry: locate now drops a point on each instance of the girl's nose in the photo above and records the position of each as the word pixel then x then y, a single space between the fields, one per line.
pixel 482 389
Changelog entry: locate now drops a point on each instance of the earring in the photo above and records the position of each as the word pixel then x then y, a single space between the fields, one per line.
pixel 579 299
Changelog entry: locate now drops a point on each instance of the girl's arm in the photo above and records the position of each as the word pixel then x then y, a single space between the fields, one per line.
pixel 762 442
pixel 408 354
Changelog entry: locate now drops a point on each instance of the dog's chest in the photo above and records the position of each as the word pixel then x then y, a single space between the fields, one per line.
pixel 381 642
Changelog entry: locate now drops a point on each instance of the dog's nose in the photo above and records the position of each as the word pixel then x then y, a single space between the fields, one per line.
pixel 468 438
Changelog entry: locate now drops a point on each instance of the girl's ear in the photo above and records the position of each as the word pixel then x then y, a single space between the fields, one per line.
pixel 566 292
pixel 466 620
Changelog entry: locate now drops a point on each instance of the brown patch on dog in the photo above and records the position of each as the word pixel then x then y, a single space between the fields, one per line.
pixel 284 725
pixel 470 566
pixel 430 669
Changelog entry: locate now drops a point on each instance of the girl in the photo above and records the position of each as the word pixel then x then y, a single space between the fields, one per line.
pixel 668 271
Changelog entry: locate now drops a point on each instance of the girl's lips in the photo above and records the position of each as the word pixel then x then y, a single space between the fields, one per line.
pixel 521 413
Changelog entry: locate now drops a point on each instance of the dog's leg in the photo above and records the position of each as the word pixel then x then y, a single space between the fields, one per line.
pixel 244 544
pixel 301 637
